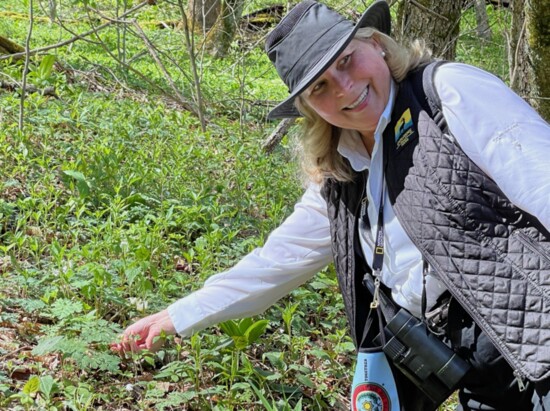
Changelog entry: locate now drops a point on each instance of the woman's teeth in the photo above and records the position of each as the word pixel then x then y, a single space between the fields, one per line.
pixel 361 98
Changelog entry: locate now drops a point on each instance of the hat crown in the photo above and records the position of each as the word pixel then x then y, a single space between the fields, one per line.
pixel 285 26
pixel 302 38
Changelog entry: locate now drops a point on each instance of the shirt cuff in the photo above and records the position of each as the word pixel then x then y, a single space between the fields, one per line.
pixel 185 315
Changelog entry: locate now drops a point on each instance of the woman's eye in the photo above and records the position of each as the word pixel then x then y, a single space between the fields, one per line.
pixel 345 60
pixel 318 87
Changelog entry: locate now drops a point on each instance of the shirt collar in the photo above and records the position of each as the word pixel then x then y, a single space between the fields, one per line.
pixel 351 145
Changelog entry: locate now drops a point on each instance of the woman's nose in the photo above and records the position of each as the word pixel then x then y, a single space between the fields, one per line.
pixel 342 84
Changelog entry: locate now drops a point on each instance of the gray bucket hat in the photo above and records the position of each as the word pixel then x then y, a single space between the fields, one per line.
pixel 308 40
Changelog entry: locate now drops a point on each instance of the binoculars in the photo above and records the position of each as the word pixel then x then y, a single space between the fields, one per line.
pixel 430 364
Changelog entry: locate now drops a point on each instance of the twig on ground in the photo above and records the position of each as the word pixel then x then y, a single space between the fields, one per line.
pixel 12 353
pixel 278 134
pixel 29 89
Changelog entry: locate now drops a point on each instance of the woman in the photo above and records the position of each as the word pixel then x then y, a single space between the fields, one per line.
pixel 464 213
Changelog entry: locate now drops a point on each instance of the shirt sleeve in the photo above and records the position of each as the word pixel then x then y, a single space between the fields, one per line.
pixel 292 254
pixel 500 132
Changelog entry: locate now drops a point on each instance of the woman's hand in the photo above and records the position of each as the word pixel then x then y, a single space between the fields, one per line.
pixel 145 334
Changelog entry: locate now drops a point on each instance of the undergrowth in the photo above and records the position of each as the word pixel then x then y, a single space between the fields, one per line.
pixel 114 203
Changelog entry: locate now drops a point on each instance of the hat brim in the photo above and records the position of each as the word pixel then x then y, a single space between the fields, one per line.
pixel 376 16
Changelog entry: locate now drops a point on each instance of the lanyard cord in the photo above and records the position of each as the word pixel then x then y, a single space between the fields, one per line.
pixel 377 264
pixel 378 252
pixel 378 260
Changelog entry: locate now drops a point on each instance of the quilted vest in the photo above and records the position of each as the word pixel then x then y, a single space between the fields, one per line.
pixel 493 257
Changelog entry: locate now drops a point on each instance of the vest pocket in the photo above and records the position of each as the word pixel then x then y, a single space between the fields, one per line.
pixel 532 259
pixel 534 246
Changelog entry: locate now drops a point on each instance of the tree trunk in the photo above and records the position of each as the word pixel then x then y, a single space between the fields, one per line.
pixel 520 71
pixel 483 28
pixel 204 14
pixel 52 10
pixel 435 21
pixel 529 53
pixel 220 37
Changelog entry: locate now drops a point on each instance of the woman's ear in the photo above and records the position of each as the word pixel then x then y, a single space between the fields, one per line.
pixel 376 44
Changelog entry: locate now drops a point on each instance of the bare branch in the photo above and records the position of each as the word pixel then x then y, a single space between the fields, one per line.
pixel 178 98
pixel 26 67
pixel 427 10
pixel 513 70
pixel 155 56
pixel 537 98
pixel 181 102
pixel 75 38
pixel 189 42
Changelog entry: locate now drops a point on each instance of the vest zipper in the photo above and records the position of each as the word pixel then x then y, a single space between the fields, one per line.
pixel 522 385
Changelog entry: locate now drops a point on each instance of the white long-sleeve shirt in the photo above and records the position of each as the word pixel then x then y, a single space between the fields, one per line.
pixel 502 134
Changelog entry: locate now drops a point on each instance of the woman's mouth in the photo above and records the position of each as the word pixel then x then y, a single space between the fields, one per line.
pixel 359 100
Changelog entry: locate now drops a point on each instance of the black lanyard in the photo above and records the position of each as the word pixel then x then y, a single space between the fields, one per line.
pixel 378 251
pixel 378 258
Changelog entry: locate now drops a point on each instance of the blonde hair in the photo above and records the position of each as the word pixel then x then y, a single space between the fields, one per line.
pixel 319 139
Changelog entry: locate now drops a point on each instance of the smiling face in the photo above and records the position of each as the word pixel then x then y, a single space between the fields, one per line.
pixel 353 92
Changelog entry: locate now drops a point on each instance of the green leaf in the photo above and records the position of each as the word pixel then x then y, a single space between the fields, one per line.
pixel 322 355
pixel 276 359
pixel 286 389
pixel 288 313
pixel 77 175
pixel 241 342
pixel 47 384
pixel 48 345
pixel 176 399
pixel 30 306
pixel 64 308
pixel 95 360
pixel 82 183
pixel 142 253
pixel 266 374
pixel 131 274
pixel 32 386
pixel 244 324
pixel 255 331
pixel 46 65
pixel 102 277
pixel 240 386
pixel 99 331
pixel 230 328
pixel 305 380
pixel 265 402
pixel 346 346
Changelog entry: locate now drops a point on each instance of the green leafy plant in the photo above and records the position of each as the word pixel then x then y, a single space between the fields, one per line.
pixel 114 203
pixel 244 332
